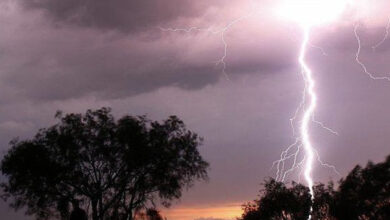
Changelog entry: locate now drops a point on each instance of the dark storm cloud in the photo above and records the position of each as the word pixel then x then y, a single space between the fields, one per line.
pixel 112 79
pixel 122 15
pixel 110 83
pixel 47 64
pixel 90 76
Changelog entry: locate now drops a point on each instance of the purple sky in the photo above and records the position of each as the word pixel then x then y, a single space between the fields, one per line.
pixel 75 55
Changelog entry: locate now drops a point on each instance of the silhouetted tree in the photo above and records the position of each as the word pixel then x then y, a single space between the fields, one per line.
pixel 279 202
pixel 365 193
pixel 77 213
pixel 113 167
pixel 153 214
pixel 324 202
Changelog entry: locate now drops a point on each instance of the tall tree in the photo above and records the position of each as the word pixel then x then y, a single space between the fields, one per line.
pixel 115 167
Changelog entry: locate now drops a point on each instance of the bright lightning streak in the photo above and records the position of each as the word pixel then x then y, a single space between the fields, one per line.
pixel 307 13
pixel 304 130
pixel 308 105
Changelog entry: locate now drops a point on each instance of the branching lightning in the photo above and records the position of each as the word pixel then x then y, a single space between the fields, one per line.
pixel 322 125
pixel 319 48
pixel 222 32
pixel 387 32
pixel 364 67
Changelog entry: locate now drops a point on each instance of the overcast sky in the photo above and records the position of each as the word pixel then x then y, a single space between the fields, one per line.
pixel 76 55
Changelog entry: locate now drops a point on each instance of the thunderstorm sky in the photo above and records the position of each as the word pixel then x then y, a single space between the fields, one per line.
pixel 75 55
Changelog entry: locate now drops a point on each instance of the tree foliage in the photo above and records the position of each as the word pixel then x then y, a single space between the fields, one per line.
pixel 363 194
pixel 279 202
pixel 115 167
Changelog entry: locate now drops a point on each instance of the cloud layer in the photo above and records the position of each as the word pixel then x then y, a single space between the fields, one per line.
pixel 121 15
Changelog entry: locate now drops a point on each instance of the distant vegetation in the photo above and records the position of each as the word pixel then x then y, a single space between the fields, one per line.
pixel 363 195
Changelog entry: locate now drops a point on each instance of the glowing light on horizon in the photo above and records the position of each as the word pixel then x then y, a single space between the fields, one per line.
pixel 223 210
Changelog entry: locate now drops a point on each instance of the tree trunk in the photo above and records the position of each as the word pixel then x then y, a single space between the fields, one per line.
pixel 100 203
pixel 130 215
pixel 94 210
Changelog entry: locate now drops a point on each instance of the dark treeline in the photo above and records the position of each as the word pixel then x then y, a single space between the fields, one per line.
pixel 92 166
pixel 363 195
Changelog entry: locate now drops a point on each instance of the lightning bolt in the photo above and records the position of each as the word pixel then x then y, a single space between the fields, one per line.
pixel 306 164
pixel 306 108
pixel 310 89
